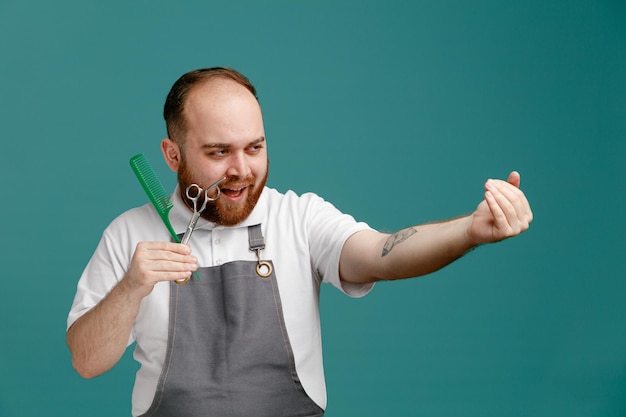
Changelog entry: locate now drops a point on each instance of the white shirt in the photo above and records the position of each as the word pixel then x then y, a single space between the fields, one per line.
pixel 303 235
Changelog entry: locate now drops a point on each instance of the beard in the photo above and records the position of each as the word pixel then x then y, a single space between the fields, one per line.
pixel 219 211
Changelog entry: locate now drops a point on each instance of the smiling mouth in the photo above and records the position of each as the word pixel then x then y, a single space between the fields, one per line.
pixel 233 192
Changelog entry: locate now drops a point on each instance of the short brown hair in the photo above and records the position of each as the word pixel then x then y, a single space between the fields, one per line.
pixel 175 122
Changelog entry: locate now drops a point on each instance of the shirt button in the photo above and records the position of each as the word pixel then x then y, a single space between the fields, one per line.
pixel 218 262
pixel 217 241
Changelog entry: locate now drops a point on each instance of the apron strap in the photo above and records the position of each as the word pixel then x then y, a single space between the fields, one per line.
pixel 256 242
pixel 255 238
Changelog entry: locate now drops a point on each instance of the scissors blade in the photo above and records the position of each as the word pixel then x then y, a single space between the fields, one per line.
pixel 190 227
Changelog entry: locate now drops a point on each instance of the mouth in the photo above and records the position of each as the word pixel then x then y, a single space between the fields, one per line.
pixel 234 193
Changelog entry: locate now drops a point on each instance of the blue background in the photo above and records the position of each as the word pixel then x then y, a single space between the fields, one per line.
pixel 395 111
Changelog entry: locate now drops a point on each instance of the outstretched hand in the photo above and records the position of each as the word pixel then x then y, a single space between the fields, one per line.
pixel 505 211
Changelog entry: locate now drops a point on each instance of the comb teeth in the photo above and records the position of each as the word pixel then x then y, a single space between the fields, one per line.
pixel 164 203
pixel 150 183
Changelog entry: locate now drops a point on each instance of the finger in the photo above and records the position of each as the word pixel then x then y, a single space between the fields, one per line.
pixel 152 257
pixel 169 251
pixel 514 179
pixel 169 256
pixel 500 223
pixel 168 271
pixel 168 246
pixel 176 276
pixel 500 209
pixel 164 265
pixel 517 199
pixel 513 205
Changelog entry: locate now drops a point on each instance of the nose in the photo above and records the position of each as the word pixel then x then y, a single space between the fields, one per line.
pixel 238 166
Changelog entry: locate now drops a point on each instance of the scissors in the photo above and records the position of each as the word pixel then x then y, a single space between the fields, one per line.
pixel 193 192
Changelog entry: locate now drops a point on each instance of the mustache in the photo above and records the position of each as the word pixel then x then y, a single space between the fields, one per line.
pixel 234 182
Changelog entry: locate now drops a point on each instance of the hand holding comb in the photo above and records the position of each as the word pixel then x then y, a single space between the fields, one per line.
pixel 157 195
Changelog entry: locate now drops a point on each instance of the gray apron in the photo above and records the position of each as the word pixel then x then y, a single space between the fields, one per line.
pixel 228 353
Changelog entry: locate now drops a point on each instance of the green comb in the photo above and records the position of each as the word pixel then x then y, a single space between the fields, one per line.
pixel 157 195
pixel 154 189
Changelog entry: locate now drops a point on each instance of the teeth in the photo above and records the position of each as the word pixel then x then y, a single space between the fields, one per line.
pixel 233 190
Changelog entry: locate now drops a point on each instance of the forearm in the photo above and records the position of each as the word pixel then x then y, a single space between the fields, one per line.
pixel 370 256
pixel 98 339
pixel 412 252
pixel 426 248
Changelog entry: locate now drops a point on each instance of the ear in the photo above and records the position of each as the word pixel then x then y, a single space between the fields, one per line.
pixel 171 153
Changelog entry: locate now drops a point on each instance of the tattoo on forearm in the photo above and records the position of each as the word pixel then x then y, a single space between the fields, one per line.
pixel 397 238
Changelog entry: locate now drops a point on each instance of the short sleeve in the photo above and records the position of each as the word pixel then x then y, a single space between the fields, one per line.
pixel 327 230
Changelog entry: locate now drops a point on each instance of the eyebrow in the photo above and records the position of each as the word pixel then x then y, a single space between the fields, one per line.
pixel 227 145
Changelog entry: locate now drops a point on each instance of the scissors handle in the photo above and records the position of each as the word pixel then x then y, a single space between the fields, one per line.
pixel 215 186
pixel 196 211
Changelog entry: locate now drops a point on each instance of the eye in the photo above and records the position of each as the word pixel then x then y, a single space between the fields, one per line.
pixel 218 152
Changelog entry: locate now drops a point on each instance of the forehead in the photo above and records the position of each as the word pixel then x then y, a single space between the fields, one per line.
pixel 218 91
pixel 220 106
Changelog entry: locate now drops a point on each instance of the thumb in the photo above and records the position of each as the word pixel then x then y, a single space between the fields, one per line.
pixel 514 179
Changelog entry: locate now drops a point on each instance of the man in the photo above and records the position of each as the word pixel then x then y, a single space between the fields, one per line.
pixel 242 338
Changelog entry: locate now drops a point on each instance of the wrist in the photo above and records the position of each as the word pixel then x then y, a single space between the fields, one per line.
pixel 471 241
pixel 132 289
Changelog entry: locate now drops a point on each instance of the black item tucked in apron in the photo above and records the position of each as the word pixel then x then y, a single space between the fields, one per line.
pixel 228 353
